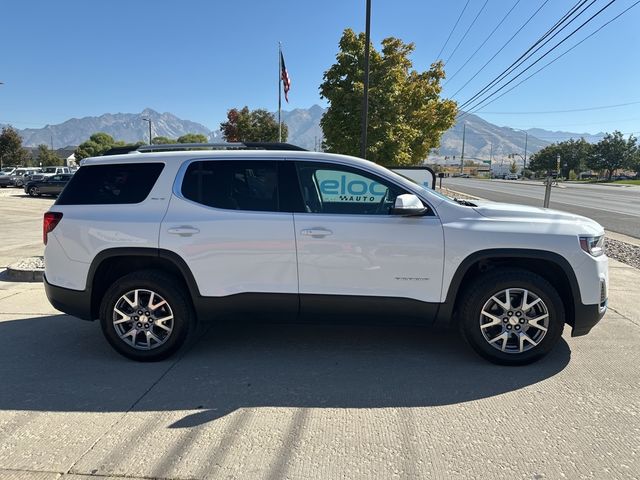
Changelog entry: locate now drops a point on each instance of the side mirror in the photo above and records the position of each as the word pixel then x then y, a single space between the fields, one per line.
pixel 408 205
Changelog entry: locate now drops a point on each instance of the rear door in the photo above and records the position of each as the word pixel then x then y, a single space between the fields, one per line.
pixel 225 220
pixel 49 185
pixel 350 245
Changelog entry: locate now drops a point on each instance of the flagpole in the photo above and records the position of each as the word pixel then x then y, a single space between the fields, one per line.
pixel 279 91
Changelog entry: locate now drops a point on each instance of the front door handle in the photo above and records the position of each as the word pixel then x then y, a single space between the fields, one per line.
pixel 316 232
pixel 183 230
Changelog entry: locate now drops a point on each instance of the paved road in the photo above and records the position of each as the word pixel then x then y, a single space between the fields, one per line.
pixel 617 208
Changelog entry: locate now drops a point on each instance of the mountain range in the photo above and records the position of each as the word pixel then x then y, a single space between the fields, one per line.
pixel 482 138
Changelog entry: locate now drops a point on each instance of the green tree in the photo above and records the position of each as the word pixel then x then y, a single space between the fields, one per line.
pixel 11 150
pixel 635 162
pixel 162 140
pixel 251 126
pixel 97 144
pixel 47 157
pixel 573 154
pixel 193 138
pixel 513 168
pixel 613 152
pixel 407 116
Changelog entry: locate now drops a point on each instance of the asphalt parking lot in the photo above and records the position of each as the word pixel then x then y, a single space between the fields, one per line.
pixel 282 402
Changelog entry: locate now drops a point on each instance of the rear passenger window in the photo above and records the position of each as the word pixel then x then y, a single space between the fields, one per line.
pixel 111 184
pixel 233 185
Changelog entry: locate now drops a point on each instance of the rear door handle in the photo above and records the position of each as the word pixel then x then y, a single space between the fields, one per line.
pixel 183 230
pixel 316 232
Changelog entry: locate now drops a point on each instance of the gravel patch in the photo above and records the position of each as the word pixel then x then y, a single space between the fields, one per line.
pixel 623 252
pixel 30 263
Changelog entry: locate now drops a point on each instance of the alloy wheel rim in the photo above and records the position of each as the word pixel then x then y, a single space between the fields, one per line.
pixel 514 320
pixel 143 319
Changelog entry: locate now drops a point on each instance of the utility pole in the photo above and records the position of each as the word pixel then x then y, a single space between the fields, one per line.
pixel 526 138
pixel 365 96
pixel 491 161
pixel 464 131
pixel 148 120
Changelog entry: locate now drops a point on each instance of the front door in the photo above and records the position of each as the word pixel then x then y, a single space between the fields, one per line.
pixel 351 248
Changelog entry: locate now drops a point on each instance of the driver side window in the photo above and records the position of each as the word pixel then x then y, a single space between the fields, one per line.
pixel 337 189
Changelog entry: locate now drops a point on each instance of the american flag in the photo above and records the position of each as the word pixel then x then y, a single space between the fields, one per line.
pixel 284 75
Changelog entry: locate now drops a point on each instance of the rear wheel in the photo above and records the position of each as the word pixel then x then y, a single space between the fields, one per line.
pixel 146 315
pixel 34 192
pixel 512 317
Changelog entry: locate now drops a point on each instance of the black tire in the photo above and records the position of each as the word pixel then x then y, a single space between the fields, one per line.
pixel 177 299
pixel 481 291
pixel 34 192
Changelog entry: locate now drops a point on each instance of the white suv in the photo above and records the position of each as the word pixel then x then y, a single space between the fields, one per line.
pixel 150 242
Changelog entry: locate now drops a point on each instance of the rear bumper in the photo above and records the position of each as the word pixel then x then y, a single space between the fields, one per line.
pixel 73 302
pixel 586 317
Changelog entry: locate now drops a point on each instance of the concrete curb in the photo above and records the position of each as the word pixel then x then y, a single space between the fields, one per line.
pixel 462 194
pixel 25 270
pixel 623 238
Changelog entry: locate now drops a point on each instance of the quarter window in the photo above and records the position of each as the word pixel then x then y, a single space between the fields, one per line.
pixel 111 184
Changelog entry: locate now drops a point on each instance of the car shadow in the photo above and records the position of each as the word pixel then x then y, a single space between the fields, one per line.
pixel 59 363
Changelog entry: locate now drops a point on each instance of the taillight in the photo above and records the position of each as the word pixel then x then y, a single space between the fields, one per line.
pixel 51 219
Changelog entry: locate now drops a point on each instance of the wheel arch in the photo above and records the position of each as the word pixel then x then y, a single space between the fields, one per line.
pixel 549 265
pixel 113 263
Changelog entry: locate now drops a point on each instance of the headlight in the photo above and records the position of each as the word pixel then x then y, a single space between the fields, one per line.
pixel 594 246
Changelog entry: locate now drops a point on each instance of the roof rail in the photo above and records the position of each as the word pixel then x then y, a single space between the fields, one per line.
pixel 120 150
pixel 220 146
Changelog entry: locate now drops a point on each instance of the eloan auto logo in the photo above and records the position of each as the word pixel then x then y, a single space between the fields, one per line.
pixel 341 187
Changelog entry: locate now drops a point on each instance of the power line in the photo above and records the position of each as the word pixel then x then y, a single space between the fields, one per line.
pixel 465 33
pixel 560 56
pixel 483 43
pixel 582 124
pixel 501 48
pixel 480 102
pixel 541 42
pixel 452 30
pixel 602 107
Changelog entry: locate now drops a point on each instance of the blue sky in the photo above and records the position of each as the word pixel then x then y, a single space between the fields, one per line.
pixel 196 59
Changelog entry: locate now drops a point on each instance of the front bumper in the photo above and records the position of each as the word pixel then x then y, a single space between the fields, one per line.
pixel 587 316
pixel 73 302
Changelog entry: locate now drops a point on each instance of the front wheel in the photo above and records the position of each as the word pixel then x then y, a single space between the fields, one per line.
pixel 34 192
pixel 512 316
pixel 146 315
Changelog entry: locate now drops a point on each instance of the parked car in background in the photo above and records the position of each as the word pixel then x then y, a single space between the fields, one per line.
pixel 511 176
pixel 5 181
pixel 21 175
pixel 47 186
pixel 49 172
